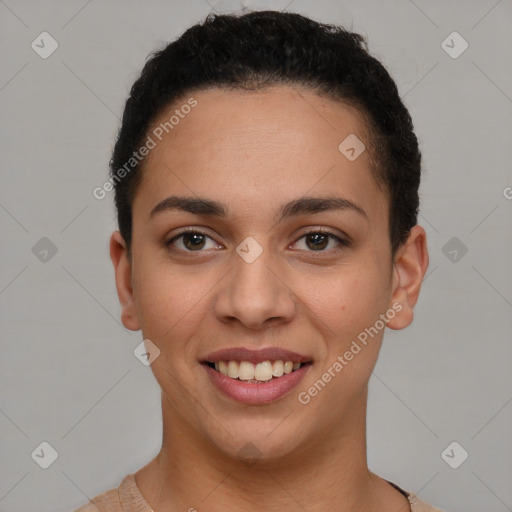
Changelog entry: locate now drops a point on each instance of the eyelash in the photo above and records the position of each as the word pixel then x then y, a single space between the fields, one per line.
pixel 342 242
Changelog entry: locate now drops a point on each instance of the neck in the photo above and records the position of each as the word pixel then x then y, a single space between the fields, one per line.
pixel 329 472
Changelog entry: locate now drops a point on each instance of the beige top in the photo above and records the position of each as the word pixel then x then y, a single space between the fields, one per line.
pixel 127 498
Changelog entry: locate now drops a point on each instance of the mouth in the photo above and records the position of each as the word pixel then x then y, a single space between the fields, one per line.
pixel 256 376
pixel 264 371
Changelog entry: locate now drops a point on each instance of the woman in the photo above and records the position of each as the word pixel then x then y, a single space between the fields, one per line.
pixel 266 181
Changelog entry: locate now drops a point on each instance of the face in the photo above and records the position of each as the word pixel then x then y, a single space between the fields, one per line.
pixel 269 270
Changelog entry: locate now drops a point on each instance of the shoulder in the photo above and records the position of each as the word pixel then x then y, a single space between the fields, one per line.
pixel 125 497
pixel 107 502
pixel 418 505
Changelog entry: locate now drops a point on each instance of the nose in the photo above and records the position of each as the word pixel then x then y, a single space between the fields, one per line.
pixel 255 294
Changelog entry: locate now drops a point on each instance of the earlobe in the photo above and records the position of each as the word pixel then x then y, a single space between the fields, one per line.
pixel 409 267
pixel 122 269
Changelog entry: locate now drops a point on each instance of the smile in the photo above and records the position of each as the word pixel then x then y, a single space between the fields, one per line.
pixel 256 376
pixel 265 371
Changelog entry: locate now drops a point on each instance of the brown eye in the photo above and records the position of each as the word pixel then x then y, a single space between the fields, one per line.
pixel 191 241
pixel 318 241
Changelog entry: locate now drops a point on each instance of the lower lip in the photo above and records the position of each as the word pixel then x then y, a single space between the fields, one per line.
pixel 256 393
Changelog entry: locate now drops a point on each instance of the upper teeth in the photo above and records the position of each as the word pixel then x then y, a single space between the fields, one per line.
pixel 244 370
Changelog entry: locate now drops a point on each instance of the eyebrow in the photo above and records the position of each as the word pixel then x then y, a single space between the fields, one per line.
pixel 296 207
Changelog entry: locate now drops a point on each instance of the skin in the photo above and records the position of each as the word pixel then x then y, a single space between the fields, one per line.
pixel 254 151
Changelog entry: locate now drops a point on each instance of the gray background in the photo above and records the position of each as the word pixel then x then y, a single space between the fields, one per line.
pixel 68 373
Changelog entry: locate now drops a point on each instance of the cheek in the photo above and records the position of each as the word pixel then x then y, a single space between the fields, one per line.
pixel 355 313
pixel 348 299
pixel 171 310
pixel 170 303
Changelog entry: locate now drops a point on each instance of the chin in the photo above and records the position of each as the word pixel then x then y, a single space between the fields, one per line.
pixel 260 441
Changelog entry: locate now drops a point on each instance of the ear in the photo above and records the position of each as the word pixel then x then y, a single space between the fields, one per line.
pixel 123 271
pixel 409 267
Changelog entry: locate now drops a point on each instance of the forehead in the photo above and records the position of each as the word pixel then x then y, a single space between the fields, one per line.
pixel 260 144
pixel 295 117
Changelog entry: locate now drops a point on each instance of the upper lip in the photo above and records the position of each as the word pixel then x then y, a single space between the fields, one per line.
pixel 255 356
